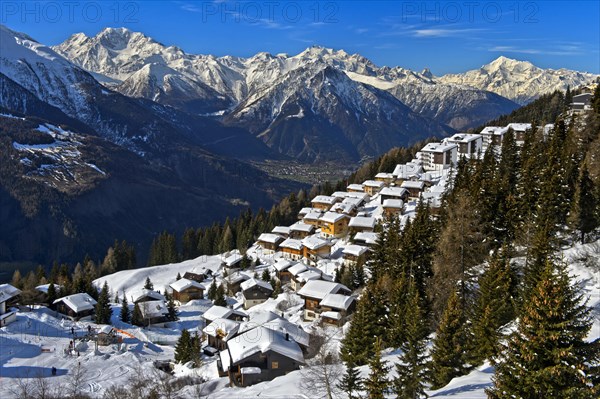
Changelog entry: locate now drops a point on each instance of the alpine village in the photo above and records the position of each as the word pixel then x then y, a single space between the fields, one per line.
pixel 466 265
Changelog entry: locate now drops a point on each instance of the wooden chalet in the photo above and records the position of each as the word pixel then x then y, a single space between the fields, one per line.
pixel 334 224
pixel 9 296
pixel 185 290
pixel 393 207
pixel 255 292
pixel 355 255
pixel 313 293
pixel 361 224
pixel 372 187
pixel 269 242
pixel 292 249
pixel 76 306
pixel 259 355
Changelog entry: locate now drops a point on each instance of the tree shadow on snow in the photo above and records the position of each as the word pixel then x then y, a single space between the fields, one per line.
pixel 29 372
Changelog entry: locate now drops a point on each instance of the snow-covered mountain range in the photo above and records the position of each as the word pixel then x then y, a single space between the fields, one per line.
pixel 137 65
pixel 520 81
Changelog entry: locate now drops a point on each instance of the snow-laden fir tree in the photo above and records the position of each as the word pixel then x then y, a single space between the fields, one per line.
pixel 547 356
pixel 449 353
pixel 103 311
pixel 412 369
pixel 377 383
pixel 125 314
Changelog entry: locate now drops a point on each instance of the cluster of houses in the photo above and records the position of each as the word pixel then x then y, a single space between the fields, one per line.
pixel 338 229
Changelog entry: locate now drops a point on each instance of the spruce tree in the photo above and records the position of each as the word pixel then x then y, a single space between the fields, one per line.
pixel 51 294
pixel 220 296
pixel 266 276
pixel 583 215
pixel 148 284
pixel 351 383
pixel 125 316
pixel 412 369
pixel 103 310
pixel 377 383
pixel 184 347
pixel 494 307
pixel 547 356
pixel 448 355
pixel 137 319
pixel 357 344
pixel 178 277
pixel 212 290
pixel 171 308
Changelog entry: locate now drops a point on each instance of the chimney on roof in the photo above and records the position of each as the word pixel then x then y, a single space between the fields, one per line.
pixel 287 336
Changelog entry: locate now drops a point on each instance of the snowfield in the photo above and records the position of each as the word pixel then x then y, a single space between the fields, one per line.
pixel 38 340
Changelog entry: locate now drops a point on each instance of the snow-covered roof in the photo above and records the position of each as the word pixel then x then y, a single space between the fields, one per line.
pixel 356 201
pixel 373 183
pixel 78 302
pixel 464 138
pixel 283 264
pixel 368 237
pixel 494 130
pixel 393 203
pixel 407 170
pixel 291 243
pixel 225 359
pixel 105 329
pixel 285 230
pixel 393 192
pixel 7 291
pixel 236 277
pixel 309 275
pixel 263 340
pixel 324 199
pixel 183 284
pixel 355 250
pixel 438 147
pixel 337 301
pixel 306 210
pixel 315 242
pixel 275 322
pixel 413 184
pixel 269 238
pixel 217 312
pixel 315 215
pixel 344 207
pixel 362 221
pixel 255 282
pixel 297 269
pixel 303 227
pixel 519 127
pixel 153 309
pixel 319 289
pixel 232 259
pixel 223 328
pixel 358 187
pixel 332 315
pixel 146 293
pixel 332 217
pixel 383 175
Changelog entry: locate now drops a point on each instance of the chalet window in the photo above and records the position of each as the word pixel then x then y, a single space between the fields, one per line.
pixel 274 365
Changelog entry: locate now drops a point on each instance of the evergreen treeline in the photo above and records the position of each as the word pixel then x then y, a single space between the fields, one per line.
pixel 241 232
pixel 452 274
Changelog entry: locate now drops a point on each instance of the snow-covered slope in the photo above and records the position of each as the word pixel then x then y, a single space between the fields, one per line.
pixel 44 73
pixel 520 81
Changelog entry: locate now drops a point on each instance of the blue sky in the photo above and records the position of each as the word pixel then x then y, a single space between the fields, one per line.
pixel 447 37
